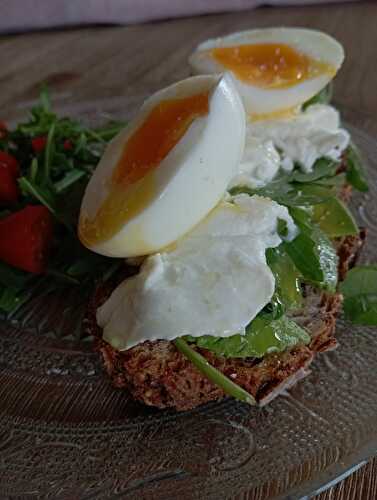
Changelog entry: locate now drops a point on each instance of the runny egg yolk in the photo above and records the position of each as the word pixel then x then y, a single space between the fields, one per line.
pixel 270 65
pixel 132 185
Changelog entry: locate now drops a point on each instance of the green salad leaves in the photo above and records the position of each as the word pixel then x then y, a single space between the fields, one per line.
pixel 312 252
pixel 56 157
pixel 287 277
pixel 323 97
pixel 13 287
pixel 359 290
pixel 263 336
pixel 56 154
pixel 356 175
pixel 334 218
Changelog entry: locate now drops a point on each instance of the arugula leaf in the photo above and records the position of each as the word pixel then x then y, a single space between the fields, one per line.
pixel 13 284
pixel 337 181
pixel 263 336
pixel 12 298
pixel 41 194
pixel 313 253
pixel 44 99
pixel 12 277
pixel 282 228
pixel 278 188
pixel 323 97
pixel 328 260
pixel 275 309
pixel 33 170
pixel 48 153
pixel 69 178
pixel 286 193
pixel 287 277
pixel 323 167
pixel 62 277
pixel 65 162
pixel 334 218
pixel 360 295
pixel 355 173
pixel 302 216
pixel 303 252
pixel 361 310
pixel 111 130
pixel 318 192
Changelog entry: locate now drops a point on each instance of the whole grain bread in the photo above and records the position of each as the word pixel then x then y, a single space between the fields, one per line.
pixel 157 374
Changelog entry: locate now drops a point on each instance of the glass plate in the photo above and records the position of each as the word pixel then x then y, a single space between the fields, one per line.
pixel 66 433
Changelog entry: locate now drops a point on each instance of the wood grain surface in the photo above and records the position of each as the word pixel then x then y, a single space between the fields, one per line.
pixel 95 63
pixel 362 485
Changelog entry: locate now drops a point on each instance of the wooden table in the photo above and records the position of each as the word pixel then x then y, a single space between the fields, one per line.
pixel 95 63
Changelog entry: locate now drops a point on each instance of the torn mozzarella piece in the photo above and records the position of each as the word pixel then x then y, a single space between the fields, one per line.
pixel 213 282
pixel 309 135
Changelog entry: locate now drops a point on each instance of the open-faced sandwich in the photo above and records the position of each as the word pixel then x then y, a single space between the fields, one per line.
pixel 226 195
pixel 216 222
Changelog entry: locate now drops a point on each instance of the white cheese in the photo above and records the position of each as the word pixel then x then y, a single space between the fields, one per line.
pixel 259 165
pixel 309 135
pixel 213 282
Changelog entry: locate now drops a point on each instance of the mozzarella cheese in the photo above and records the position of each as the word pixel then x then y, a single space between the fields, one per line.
pixel 309 135
pixel 259 165
pixel 213 282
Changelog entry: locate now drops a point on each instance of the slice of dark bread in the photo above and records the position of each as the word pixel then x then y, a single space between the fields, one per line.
pixel 157 374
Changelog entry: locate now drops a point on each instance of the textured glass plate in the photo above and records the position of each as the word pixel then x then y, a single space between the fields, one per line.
pixel 66 433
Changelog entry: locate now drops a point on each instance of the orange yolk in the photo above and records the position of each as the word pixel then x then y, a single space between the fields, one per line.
pixel 270 65
pixel 132 185
pixel 275 115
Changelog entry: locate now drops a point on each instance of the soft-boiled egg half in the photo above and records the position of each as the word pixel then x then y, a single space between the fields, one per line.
pixel 166 170
pixel 276 69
